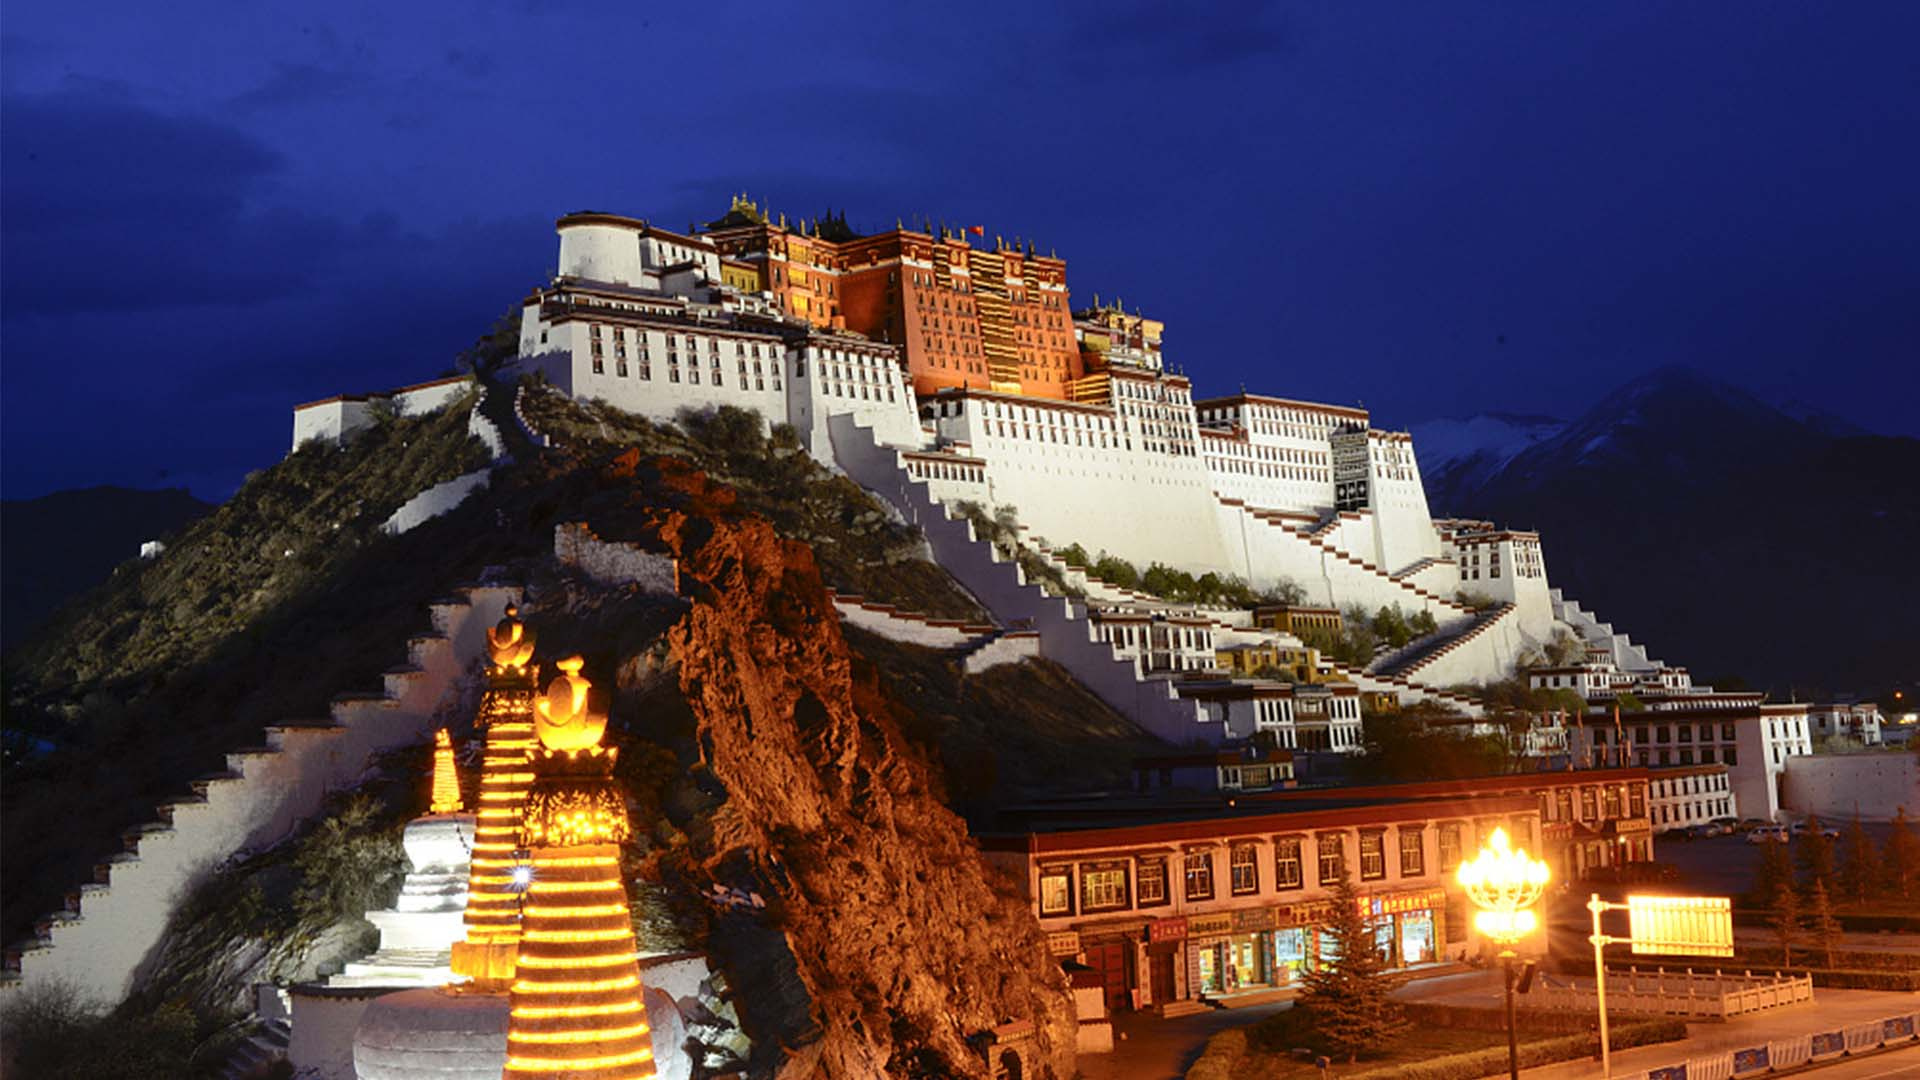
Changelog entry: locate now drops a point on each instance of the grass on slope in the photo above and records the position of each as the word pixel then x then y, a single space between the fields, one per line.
pixel 287 528
pixel 1008 731
pixel 858 545
pixel 149 681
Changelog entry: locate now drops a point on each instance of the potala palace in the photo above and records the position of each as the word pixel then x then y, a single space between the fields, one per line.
pixel 939 373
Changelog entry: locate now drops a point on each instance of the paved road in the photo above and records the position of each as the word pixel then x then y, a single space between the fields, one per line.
pixel 1147 1048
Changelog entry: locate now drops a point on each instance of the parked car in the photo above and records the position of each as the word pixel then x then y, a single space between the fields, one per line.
pixel 1752 823
pixel 1800 829
pixel 1770 832
pixel 1727 826
pixel 1701 831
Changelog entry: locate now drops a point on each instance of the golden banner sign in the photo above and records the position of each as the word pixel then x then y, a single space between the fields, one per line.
pixel 1209 925
pixel 1688 925
pixel 1063 943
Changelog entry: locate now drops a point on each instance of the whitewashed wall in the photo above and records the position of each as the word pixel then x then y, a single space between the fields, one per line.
pixel 1066 635
pixel 270 791
pixel 1834 786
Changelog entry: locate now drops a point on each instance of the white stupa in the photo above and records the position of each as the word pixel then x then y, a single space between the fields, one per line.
pixel 418 932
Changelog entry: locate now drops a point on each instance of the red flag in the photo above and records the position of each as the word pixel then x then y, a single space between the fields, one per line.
pixel 1619 737
pixel 977 230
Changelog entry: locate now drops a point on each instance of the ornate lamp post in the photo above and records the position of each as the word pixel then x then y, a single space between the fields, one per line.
pixel 1504 884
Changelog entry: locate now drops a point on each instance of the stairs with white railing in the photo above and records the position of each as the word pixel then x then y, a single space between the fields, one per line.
pixel 1067 635
pixel 111 925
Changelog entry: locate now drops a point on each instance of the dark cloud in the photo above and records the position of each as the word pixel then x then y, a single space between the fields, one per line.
pixel 294 85
pixel 1323 201
pixel 109 205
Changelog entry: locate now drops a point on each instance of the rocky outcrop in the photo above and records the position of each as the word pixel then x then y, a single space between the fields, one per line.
pixel 886 942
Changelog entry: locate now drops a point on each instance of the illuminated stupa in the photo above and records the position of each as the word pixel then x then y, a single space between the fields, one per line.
pixel 486 957
pixel 576 999
pixel 418 933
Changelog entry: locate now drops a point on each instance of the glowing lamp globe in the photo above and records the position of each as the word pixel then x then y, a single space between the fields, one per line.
pixel 564 721
pixel 1504 884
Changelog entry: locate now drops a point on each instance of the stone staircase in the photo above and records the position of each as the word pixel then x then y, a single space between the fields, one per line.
pixel 112 924
pixel 1413 568
pixel 1626 655
pixel 1066 634
pixel 440 498
pixel 1409 691
pixel 1002 647
pixel 1418 654
pixel 1359 577
pixel 267 1044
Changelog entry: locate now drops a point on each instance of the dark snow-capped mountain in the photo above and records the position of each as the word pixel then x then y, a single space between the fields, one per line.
pixel 1461 454
pixel 1725 533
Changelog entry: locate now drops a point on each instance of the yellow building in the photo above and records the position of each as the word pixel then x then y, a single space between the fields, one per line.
pixel 1292 618
pixel 1301 665
pixel 744 276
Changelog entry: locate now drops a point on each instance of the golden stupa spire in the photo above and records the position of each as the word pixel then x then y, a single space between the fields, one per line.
pixel 446 781
pixel 576 1009
pixel 495 878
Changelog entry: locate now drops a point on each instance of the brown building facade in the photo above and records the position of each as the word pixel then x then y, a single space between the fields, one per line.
pixel 965 317
pixel 1233 907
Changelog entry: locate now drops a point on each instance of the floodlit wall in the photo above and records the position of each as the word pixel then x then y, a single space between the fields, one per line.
pixel 612 563
pixel 330 420
pixel 1836 786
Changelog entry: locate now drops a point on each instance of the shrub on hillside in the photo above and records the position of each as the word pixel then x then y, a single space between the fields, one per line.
pixel 50 1033
pixel 859 544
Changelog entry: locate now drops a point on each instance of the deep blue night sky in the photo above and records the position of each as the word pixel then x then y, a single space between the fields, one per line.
pixel 213 212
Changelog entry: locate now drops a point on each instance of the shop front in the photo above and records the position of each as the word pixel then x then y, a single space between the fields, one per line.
pixel 1408 926
pixel 1275 947
pixel 1231 952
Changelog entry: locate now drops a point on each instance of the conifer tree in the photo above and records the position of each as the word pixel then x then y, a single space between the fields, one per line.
pixel 1902 856
pixel 1786 920
pixel 1826 928
pixel 1776 870
pixel 1856 862
pixel 1816 854
pixel 1348 994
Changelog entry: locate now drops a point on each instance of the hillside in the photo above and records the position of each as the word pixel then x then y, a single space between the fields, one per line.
pixel 258 614
pixel 58 546
pixel 1722 532
pixel 814 808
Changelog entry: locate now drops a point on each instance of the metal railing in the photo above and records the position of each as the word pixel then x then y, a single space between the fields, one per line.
pixel 1660 992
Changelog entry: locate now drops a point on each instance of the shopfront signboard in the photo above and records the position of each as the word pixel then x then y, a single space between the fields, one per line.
pixel 1313 914
pixel 1063 943
pixel 1167 929
pixel 1248 920
pixel 1209 925
pixel 1400 903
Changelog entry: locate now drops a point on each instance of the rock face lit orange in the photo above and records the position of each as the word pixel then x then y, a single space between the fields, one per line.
pixel 576 999
pixel 486 957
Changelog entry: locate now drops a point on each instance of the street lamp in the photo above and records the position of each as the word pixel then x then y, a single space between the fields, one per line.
pixel 1504 884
